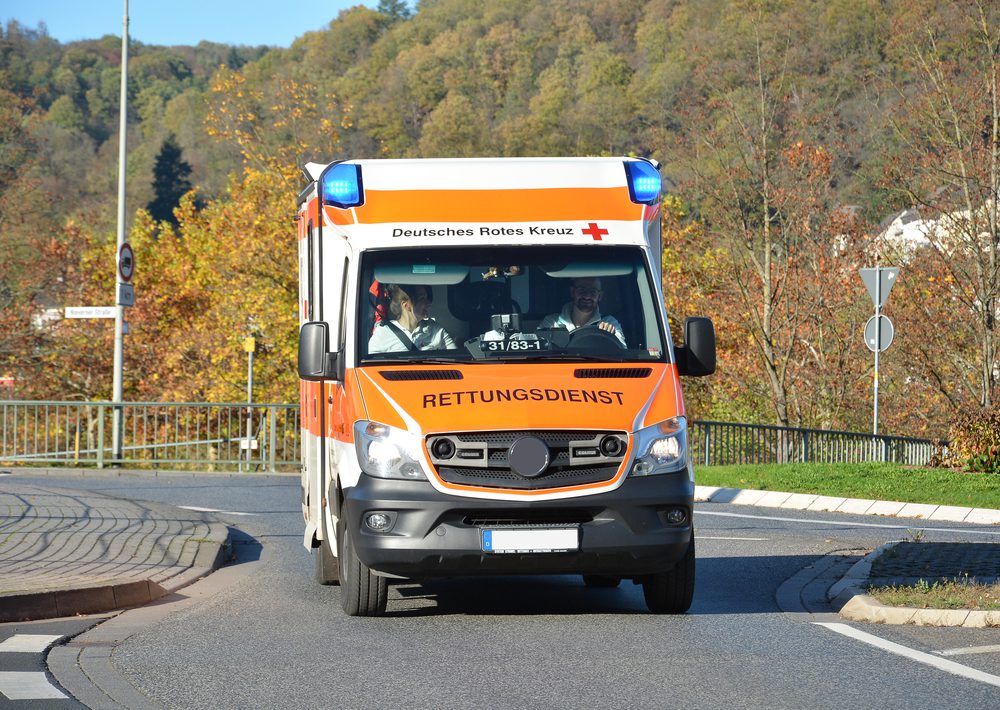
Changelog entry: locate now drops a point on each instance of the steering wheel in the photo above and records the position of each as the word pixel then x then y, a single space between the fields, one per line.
pixel 592 337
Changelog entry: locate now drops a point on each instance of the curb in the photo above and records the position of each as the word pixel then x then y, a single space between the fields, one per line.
pixel 853 506
pixel 852 603
pixel 112 597
pixel 110 472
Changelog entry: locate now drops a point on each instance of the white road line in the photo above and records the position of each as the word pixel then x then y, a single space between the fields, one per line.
pixel 968 650
pixel 918 656
pixel 197 509
pixel 753 539
pixel 28 685
pixel 27 643
pixel 967 531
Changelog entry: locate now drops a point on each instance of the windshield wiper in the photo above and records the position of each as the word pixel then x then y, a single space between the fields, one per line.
pixel 561 357
pixel 413 361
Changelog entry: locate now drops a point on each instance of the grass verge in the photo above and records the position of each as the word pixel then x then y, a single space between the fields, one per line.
pixel 942 594
pixel 878 481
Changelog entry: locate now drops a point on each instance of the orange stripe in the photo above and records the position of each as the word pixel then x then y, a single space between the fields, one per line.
pixel 542 205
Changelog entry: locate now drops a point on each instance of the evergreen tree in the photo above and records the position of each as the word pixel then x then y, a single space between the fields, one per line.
pixel 170 181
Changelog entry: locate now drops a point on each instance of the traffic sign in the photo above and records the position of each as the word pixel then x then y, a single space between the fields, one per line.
pixel 126 262
pixel 90 311
pixel 126 295
pixel 873 332
pixel 879 282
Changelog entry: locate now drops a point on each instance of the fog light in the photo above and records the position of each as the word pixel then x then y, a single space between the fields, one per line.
pixel 676 516
pixel 642 468
pixel 379 522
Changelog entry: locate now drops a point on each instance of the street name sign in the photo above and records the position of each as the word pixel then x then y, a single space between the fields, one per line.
pixel 90 312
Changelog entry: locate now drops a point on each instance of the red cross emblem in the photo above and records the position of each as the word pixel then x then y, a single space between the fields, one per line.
pixel 595 231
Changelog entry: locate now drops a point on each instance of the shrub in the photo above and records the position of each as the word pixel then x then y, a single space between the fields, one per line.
pixel 975 441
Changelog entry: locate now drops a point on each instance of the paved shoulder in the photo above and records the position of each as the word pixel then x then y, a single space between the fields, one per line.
pixel 73 552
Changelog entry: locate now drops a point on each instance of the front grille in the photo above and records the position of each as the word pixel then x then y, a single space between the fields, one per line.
pixel 481 458
pixel 534 518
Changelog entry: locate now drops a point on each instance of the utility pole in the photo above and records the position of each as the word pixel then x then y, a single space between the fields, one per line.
pixel 116 436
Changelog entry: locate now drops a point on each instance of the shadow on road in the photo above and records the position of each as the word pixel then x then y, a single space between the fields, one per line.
pixel 724 585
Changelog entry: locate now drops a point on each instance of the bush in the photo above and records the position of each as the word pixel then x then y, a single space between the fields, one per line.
pixel 975 441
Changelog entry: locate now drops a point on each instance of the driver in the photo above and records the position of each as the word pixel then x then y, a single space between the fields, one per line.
pixel 583 310
pixel 411 328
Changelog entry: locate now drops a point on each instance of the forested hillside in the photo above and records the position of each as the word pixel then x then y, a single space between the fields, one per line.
pixel 787 131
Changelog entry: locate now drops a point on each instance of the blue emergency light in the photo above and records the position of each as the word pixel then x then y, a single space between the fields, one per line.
pixel 643 182
pixel 342 186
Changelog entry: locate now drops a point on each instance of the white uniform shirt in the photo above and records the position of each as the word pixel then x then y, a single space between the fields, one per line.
pixel 565 320
pixel 427 335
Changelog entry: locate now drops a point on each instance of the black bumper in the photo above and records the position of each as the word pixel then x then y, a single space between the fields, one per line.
pixel 623 533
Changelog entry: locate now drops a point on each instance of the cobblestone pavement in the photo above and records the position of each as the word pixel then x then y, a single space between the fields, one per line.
pixel 937 560
pixel 54 541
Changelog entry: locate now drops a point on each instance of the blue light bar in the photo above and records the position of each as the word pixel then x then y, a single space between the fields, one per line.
pixel 342 186
pixel 643 182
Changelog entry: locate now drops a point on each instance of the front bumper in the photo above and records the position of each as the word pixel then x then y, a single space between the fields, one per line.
pixel 623 532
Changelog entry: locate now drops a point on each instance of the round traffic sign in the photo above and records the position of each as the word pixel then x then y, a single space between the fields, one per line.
pixel 880 339
pixel 126 262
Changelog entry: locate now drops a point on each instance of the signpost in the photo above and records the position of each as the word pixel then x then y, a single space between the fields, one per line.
pixel 878 330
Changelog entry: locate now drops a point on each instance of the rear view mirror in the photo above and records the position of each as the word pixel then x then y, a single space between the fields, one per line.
pixel 697 356
pixel 315 360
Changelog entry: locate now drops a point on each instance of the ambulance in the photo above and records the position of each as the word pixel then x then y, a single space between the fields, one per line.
pixel 488 382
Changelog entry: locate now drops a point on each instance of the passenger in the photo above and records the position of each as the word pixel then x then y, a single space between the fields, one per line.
pixel 583 310
pixel 411 328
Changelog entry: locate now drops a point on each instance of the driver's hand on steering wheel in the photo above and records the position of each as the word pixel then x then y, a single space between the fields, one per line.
pixel 606 326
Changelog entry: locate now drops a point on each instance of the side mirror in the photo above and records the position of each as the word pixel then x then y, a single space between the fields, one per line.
pixel 697 356
pixel 315 360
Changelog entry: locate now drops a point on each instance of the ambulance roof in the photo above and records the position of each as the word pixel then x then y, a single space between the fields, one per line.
pixel 488 200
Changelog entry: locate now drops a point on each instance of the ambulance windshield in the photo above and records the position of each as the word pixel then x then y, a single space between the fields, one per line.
pixel 472 304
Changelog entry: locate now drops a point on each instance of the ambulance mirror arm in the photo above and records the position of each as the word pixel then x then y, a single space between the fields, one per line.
pixel 316 362
pixel 696 357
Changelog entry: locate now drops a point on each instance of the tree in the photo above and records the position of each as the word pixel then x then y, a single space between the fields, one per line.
pixel 170 181
pixel 947 124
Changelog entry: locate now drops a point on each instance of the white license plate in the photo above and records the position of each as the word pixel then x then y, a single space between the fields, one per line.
pixel 514 541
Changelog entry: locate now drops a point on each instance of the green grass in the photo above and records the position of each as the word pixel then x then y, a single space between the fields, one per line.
pixel 942 594
pixel 879 481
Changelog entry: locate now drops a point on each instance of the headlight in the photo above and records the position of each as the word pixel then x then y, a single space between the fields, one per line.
pixel 661 448
pixel 387 452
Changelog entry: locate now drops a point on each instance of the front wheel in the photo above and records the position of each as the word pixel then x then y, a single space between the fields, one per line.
pixel 362 592
pixel 672 592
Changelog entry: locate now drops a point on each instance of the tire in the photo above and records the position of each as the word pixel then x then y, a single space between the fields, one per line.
pixel 327 568
pixel 672 592
pixel 601 581
pixel 362 593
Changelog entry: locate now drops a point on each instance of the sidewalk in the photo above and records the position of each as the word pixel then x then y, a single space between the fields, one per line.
pixel 903 563
pixel 66 552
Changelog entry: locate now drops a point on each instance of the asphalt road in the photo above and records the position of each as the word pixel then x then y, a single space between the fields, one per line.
pixel 271 637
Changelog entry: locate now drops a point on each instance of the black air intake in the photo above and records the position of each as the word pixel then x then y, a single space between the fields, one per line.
pixel 400 375
pixel 618 373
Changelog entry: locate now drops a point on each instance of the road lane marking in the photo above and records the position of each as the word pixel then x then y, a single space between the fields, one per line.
pixel 907 652
pixel 198 509
pixel 28 685
pixel 27 643
pixel 968 650
pixel 968 531
pixel 749 539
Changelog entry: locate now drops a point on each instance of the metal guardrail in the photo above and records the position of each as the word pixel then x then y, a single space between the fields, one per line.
pixel 722 444
pixel 213 436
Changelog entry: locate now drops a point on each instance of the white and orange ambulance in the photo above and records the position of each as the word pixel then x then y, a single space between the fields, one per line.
pixel 488 383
